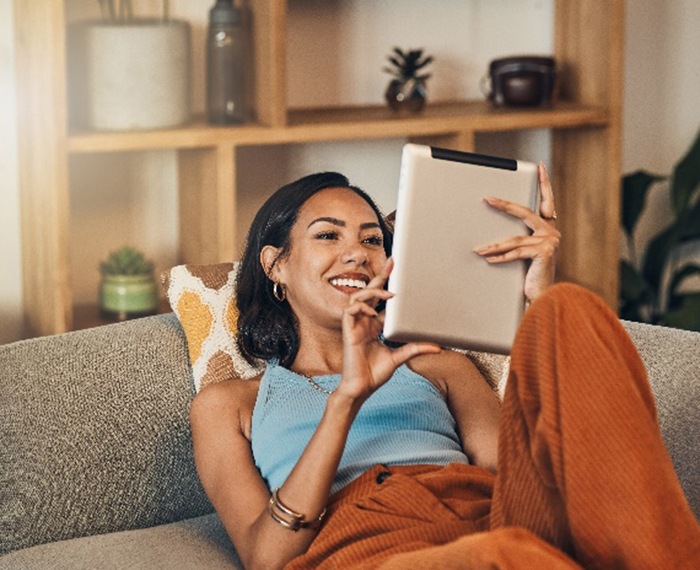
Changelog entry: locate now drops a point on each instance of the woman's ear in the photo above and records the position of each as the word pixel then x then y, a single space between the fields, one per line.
pixel 269 256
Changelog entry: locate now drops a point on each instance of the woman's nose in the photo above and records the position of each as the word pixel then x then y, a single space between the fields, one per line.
pixel 355 253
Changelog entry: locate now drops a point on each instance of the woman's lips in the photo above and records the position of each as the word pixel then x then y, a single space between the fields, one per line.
pixel 349 283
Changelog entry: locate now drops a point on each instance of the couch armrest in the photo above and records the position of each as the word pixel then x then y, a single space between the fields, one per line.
pixel 95 433
pixel 672 361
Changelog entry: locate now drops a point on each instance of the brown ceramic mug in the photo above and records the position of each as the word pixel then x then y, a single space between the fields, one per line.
pixel 527 81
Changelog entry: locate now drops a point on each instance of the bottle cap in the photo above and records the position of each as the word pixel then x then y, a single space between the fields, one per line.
pixel 224 12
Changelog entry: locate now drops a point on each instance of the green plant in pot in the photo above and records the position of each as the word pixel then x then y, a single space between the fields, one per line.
pixel 407 91
pixel 653 285
pixel 128 287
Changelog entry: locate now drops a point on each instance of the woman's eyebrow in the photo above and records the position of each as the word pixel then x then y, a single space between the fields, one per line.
pixel 341 223
pixel 334 221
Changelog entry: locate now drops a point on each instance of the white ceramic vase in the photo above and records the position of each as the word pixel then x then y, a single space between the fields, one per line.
pixel 136 74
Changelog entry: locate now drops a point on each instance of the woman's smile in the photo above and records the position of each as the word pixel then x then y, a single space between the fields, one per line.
pixel 350 282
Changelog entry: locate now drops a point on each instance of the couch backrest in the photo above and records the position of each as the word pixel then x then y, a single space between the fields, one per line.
pixel 94 433
pixel 94 430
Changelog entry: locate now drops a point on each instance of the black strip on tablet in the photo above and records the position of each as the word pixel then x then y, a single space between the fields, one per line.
pixel 473 158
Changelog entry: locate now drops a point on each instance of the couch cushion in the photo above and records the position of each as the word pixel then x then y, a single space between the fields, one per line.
pixel 95 433
pixel 203 298
pixel 196 544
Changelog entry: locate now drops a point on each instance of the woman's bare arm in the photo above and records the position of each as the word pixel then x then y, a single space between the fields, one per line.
pixel 226 468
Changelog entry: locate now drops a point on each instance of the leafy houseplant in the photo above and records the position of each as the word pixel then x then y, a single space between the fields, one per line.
pixel 128 288
pixel 651 284
pixel 407 89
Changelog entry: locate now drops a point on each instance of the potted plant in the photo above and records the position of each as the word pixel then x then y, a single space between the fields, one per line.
pixel 133 73
pixel 407 90
pixel 128 288
pixel 653 285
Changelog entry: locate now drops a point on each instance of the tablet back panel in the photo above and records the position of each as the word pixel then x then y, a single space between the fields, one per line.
pixel 445 292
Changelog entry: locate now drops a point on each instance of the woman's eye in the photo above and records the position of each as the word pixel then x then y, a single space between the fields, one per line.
pixel 327 235
pixel 374 240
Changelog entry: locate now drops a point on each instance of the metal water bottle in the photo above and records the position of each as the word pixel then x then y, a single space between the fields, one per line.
pixel 226 91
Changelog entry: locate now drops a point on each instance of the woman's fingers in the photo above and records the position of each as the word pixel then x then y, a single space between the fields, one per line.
pixel 405 352
pixel 374 290
pixel 540 247
pixel 370 293
pixel 532 220
pixel 360 309
pixel 380 278
pixel 519 247
pixel 544 240
pixel 360 318
pixel 524 252
pixel 370 296
pixel 547 210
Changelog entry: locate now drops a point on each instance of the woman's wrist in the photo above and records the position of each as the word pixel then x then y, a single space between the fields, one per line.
pixel 343 405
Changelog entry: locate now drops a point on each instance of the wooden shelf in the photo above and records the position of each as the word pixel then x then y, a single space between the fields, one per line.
pixel 347 123
pixel 438 118
pixel 585 126
pixel 86 316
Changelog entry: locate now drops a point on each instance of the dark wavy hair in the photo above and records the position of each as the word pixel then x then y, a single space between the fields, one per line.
pixel 267 328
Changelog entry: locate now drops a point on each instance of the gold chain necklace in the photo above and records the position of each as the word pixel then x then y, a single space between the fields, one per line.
pixel 317 387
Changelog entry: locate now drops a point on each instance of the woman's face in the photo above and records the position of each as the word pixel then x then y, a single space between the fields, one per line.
pixel 336 247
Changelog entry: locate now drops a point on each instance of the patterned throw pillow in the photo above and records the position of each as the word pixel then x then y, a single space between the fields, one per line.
pixel 202 297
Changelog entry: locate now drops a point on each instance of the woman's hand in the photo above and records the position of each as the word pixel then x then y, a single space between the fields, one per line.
pixel 540 247
pixel 367 362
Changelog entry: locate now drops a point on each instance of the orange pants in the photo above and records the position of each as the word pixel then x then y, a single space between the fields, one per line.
pixel 583 477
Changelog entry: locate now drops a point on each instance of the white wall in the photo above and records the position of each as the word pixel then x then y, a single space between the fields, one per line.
pixel 662 86
pixel 11 322
pixel 333 63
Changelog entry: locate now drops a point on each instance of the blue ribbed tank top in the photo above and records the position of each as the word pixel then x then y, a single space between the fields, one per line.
pixel 405 422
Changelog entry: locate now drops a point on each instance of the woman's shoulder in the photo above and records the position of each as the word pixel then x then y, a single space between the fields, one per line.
pixel 230 390
pixel 226 399
pixel 444 367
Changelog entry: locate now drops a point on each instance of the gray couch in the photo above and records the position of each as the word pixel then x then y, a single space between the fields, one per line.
pixel 96 467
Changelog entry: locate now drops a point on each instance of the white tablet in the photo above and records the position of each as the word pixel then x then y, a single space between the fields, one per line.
pixel 444 292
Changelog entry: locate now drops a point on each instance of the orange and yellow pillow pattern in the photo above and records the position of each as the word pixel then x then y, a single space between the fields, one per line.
pixel 202 297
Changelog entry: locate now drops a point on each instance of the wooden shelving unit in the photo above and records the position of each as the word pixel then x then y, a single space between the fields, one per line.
pixel 585 125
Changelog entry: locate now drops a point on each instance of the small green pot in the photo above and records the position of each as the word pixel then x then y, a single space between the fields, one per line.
pixel 125 297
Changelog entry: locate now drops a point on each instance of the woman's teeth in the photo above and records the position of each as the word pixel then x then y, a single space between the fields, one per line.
pixel 355 283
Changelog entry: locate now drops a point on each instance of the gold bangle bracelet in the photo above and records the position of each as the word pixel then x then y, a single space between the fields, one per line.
pixel 288 518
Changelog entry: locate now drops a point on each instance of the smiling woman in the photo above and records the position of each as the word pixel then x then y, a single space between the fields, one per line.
pixel 344 250
pixel 268 328
pixel 349 453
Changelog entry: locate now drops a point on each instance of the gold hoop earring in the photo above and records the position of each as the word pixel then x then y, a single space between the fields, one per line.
pixel 278 291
